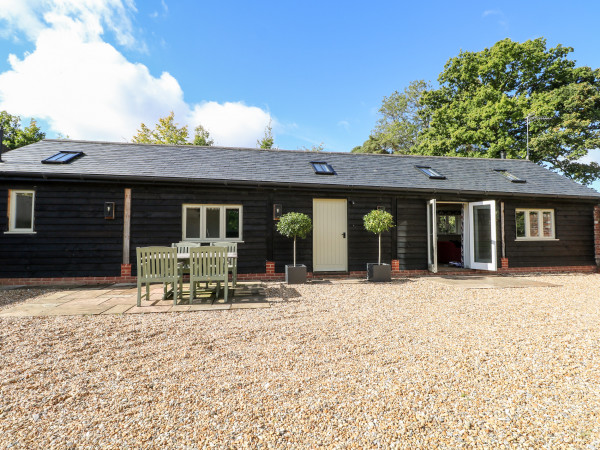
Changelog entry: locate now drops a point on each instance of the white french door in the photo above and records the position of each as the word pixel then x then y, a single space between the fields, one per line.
pixel 482 235
pixel 432 236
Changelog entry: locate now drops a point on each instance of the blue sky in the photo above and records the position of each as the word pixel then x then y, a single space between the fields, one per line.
pixel 95 69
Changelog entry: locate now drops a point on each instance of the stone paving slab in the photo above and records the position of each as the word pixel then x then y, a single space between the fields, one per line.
pixel 117 309
pixel 215 307
pixel 148 309
pixel 250 305
pixel 119 300
pixel 79 310
pixel 487 282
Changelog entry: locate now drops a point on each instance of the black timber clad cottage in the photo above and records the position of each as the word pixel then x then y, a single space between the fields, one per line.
pixel 481 213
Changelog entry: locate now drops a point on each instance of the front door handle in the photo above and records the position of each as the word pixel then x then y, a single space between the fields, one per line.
pixel 344 235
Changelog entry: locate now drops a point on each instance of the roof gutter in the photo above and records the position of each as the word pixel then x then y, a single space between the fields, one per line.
pixel 23 176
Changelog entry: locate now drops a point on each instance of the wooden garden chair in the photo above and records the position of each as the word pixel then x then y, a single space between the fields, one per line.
pixel 157 265
pixel 231 262
pixel 208 265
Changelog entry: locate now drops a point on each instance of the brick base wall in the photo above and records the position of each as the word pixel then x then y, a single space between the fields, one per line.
pixel 280 276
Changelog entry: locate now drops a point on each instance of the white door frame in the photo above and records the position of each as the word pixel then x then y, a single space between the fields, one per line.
pixel 432 236
pixel 472 263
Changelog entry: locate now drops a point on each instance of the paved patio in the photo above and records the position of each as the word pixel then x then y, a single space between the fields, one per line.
pixel 122 299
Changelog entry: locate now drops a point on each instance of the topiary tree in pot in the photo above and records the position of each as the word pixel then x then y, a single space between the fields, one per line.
pixel 378 221
pixel 295 225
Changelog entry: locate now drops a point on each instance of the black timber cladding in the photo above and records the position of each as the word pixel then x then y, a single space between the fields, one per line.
pixel 73 238
pixel 190 164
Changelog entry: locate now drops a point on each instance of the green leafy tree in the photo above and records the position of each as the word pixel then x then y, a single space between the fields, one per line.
pixel 378 221
pixel 267 141
pixel 294 225
pixel 14 135
pixel 168 132
pixel 484 98
pixel 165 132
pixel 314 148
pixel 202 137
pixel 402 119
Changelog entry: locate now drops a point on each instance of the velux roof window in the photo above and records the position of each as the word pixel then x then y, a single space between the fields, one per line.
pixel 506 174
pixel 431 173
pixel 322 168
pixel 63 158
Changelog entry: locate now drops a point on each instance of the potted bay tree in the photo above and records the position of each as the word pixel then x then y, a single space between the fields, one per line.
pixel 378 221
pixel 295 225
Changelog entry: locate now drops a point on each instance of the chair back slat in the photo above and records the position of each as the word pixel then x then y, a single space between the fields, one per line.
pixel 184 246
pixel 208 263
pixel 230 246
pixel 156 263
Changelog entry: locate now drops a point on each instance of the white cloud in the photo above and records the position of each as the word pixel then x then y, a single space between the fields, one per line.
pixel 501 17
pixel 85 88
pixel 231 124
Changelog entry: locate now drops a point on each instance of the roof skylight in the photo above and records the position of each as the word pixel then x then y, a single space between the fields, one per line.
pixel 513 178
pixel 322 168
pixel 431 173
pixel 63 158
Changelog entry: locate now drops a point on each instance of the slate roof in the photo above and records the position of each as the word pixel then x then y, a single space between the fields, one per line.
pixel 190 164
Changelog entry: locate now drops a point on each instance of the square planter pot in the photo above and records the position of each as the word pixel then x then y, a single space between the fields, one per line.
pixel 379 272
pixel 295 274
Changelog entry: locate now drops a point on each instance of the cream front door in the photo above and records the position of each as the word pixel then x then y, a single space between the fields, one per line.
pixel 330 248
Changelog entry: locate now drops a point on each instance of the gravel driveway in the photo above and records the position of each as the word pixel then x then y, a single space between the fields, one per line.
pixel 410 364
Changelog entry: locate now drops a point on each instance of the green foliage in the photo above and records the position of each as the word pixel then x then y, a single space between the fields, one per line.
pixel 313 148
pixel 166 132
pixel 378 221
pixel 14 135
pixel 371 145
pixel 402 119
pixel 267 141
pixel 484 98
pixel 294 225
pixel 202 137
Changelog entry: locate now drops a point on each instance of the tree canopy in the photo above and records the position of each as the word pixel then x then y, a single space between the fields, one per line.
pixel 167 131
pixel 484 99
pixel 14 135
pixel 481 107
pixel 267 141
pixel 400 122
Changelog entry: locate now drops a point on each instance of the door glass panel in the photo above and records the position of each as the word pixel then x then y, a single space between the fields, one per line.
pixel 192 223
pixel 534 225
pixel 213 223
pixel 232 223
pixel 23 210
pixel 482 233
pixel 431 229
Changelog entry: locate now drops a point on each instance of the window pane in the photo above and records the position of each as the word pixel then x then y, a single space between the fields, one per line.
pixel 24 205
pixel 213 223
pixel 452 225
pixel 232 223
pixel 482 222
pixel 520 219
pixel 547 224
pixel 534 225
pixel 192 223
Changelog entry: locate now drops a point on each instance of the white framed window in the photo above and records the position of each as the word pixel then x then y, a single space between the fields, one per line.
pixel 20 211
pixel 212 223
pixel 535 224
